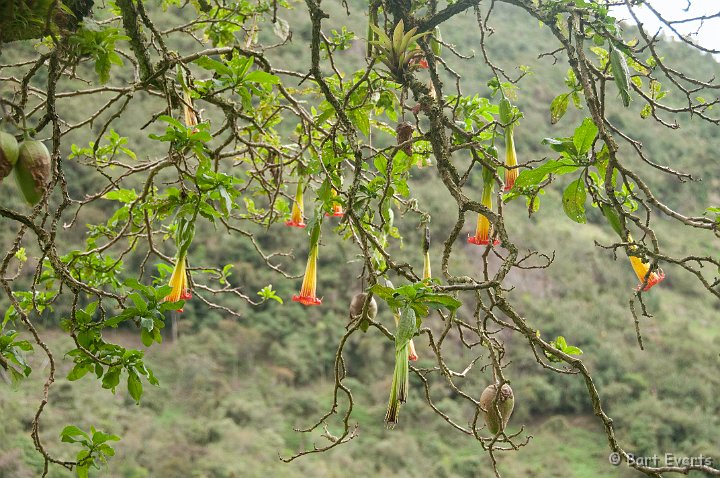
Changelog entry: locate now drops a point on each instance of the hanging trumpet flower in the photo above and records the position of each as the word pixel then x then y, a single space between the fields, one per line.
pixel 483 229
pixel 179 278
pixel 412 353
pixel 401 374
pixel 511 170
pixel 400 385
pixel 337 209
pixel 308 290
pixel 179 282
pixel 296 217
pixel 648 278
pixel 641 267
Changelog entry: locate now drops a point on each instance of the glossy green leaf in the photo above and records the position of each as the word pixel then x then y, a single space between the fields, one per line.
pixel 573 201
pixel 559 107
pixel 584 136
pixel 533 177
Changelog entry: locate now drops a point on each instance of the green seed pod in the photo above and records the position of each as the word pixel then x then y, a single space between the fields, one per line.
pixel 356 306
pixel 619 68
pixel 435 40
pixel 32 170
pixel 505 404
pixel 9 151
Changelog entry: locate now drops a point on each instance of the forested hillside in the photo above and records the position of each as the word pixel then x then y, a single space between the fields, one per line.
pixel 240 377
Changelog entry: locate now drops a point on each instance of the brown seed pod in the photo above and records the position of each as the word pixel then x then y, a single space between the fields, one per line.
pixel 9 151
pixel 404 132
pixel 505 404
pixel 32 170
pixel 356 306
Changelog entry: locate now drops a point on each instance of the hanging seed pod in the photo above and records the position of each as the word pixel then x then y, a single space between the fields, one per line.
pixel 356 306
pixel 505 404
pixel 9 151
pixel 619 68
pixel 32 170
pixel 404 132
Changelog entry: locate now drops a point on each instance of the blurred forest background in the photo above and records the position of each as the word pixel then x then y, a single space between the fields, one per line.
pixel 231 391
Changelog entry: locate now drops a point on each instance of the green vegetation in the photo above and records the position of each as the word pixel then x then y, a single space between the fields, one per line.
pixel 252 365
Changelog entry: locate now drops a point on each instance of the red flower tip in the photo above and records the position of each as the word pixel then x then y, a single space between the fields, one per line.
pixel 508 187
pixel 655 278
pixel 413 357
pixel 306 300
pixel 419 63
pixel 337 211
pixel 186 295
pixel 481 242
pixel 295 224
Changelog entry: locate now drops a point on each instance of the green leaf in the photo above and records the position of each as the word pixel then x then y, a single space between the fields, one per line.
pixel 100 437
pixel 72 434
pixel 83 470
pixel 115 321
pixel 213 65
pixel 646 111
pixel 122 195
pixel 559 107
pixel 262 77
pixel 112 378
pixel 533 177
pixel 267 293
pixel 361 119
pixel 584 136
pixel 574 199
pixel 146 337
pixel 140 304
pixel 439 301
pixel 382 291
pixel 78 372
pixel 227 200
pixel 612 218
pixel 135 387
pixel 172 122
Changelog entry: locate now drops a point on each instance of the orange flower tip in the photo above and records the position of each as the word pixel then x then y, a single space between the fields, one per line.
pixel 481 242
pixel 655 278
pixel 306 300
pixel 335 214
pixel 295 224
